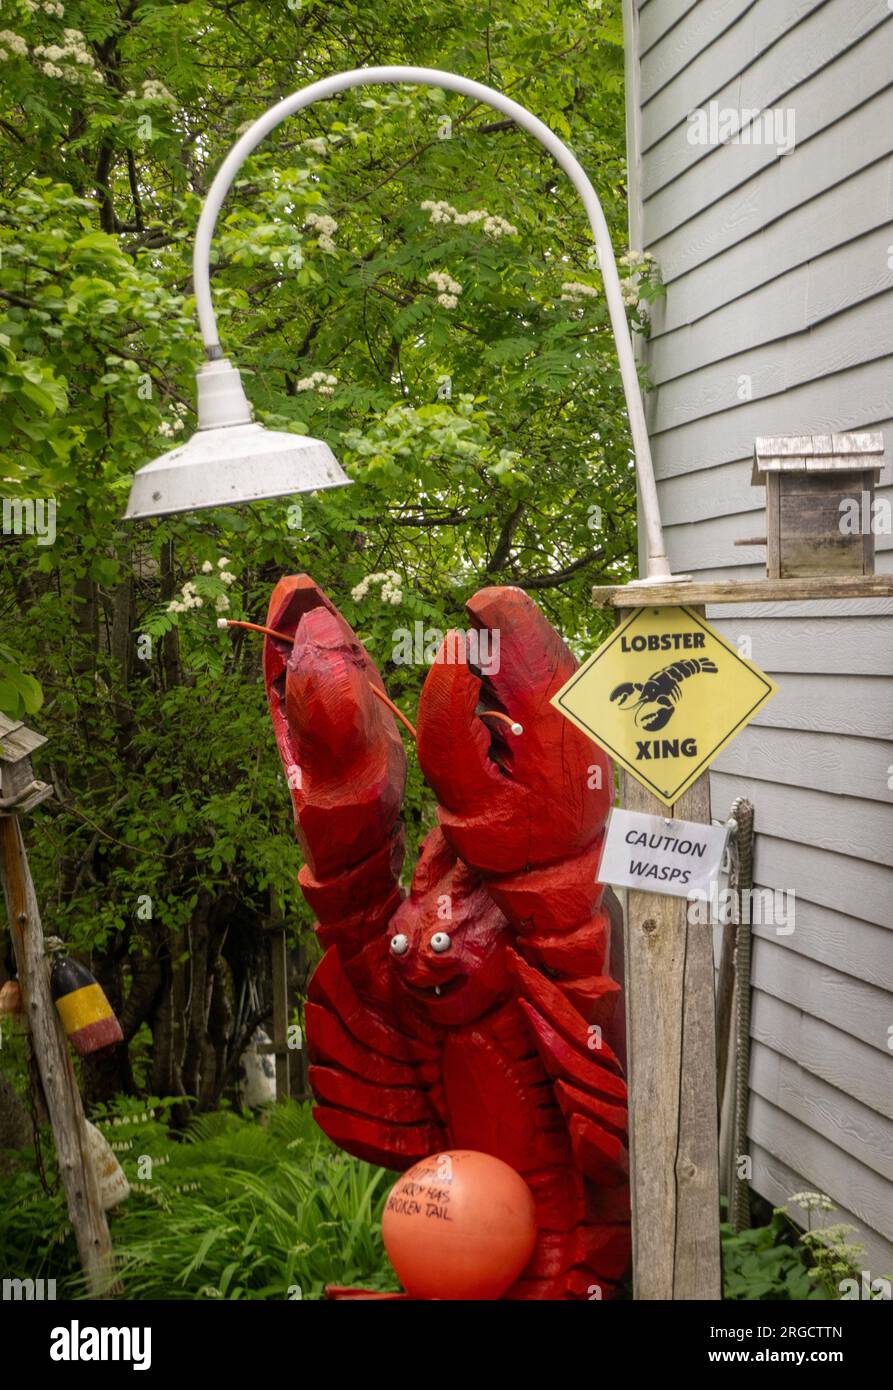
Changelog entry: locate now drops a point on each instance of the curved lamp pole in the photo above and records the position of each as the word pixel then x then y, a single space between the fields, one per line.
pixel 231 460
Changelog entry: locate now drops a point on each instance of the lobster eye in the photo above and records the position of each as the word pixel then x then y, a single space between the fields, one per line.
pixel 399 944
pixel 440 942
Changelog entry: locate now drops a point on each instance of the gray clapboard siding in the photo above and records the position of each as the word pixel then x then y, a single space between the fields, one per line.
pixel 837 403
pixel 696 28
pixel 843 704
pixel 727 490
pixel 740 44
pixel 843 1061
pixel 830 880
pixel 804 174
pixel 845 943
pixel 861 1010
pixel 713 541
pixel 777 1181
pixel 794 758
pixel 851 1126
pixel 850 646
pixel 843 213
pixel 804 297
pixel 838 823
pixel 790 74
pixel 657 19
pixel 829 1170
pixel 859 334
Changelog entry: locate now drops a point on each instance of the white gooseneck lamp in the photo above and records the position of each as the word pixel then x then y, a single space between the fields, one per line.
pixel 231 460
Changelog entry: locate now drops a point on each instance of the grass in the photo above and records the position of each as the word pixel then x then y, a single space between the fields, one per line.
pixel 235 1209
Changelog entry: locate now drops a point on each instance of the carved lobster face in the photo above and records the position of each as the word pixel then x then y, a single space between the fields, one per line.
pixel 447 951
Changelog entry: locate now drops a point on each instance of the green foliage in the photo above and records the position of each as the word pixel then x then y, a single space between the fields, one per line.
pixel 781 1260
pixel 396 272
pixel 234 1209
pixel 761 1263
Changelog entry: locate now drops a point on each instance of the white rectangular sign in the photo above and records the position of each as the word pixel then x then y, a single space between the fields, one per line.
pixel 660 855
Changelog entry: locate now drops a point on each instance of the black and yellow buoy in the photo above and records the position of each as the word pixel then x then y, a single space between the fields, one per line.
pixel 87 1016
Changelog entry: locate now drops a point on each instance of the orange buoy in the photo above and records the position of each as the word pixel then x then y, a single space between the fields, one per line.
pixel 459 1225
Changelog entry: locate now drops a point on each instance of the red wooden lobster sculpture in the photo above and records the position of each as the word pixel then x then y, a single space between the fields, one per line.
pixel 480 1010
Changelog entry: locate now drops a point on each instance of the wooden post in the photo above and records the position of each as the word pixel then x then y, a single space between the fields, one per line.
pixel 279 950
pixel 54 1064
pixel 671 1064
pixel 671 1060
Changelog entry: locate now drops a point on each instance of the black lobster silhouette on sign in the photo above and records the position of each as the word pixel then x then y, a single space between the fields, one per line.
pixel 661 693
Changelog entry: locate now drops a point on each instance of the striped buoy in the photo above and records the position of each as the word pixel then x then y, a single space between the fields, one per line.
pixel 86 1014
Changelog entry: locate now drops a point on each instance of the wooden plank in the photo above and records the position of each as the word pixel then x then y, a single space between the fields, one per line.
pixel 832 821
pixel 794 72
pixel 776 1181
pixel 830 880
pixel 740 591
pixel 50 1046
pixel 826 1168
pixel 727 58
pixel 852 144
pixel 844 1062
pixel 798 758
pixel 853 947
pixel 859 334
pixel 695 29
pixel 853 1007
pixel 851 1126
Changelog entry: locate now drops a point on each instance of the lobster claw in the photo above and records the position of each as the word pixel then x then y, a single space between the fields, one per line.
pixel 622 693
pixel 656 715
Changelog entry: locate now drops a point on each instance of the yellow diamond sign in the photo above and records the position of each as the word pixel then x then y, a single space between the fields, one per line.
pixel 664 695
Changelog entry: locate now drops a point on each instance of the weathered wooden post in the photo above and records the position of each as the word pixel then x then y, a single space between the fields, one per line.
pixel 20 791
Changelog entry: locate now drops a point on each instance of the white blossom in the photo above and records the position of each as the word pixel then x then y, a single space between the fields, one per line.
pixel 391 590
pixel 317 145
pixel 444 283
pixel 14 42
pixel 156 91
pixel 494 226
pixel 221 603
pixel 574 289
pixel 447 301
pixel 321 382
pixel 223 563
pixel 207 567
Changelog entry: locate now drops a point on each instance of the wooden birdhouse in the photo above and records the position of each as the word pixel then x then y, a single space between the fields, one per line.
pixel 819 503
pixel 20 789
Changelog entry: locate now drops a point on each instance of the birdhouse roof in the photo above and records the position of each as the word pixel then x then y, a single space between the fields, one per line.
pixel 817 453
pixel 17 742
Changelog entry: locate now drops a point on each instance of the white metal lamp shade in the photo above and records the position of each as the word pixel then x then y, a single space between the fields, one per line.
pixel 230 460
